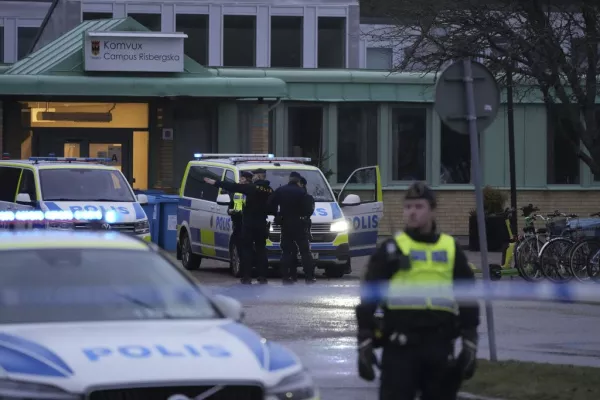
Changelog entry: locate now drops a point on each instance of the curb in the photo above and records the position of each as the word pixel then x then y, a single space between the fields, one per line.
pixel 470 396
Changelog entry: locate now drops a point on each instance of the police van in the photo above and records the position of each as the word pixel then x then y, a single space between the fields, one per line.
pixel 72 185
pixel 344 224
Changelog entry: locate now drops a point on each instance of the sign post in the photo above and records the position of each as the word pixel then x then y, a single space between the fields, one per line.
pixel 469 109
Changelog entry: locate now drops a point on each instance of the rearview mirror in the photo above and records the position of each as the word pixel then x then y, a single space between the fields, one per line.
pixel 351 200
pixel 24 198
pixel 229 307
pixel 142 199
pixel 223 200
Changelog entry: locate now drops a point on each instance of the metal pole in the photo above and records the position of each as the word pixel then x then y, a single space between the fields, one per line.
pixel 476 174
pixel 511 148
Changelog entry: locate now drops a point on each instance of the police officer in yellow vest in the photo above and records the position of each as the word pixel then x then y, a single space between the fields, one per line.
pixel 418 330
pixel 236 205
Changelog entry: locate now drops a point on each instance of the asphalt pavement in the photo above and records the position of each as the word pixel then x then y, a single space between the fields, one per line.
pixel 317 322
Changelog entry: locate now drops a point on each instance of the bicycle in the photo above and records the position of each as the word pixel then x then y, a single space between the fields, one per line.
pixel 582 249
pixel 530 244
pixel 553 256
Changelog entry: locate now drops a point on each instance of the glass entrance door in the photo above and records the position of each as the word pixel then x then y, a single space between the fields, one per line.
pixel 112 151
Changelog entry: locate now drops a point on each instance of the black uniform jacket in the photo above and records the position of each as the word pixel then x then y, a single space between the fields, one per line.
pixel 257 194
pixel 381 269
pixel 291 200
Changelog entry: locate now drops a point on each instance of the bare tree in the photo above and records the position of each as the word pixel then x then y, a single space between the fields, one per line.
pixel 550 45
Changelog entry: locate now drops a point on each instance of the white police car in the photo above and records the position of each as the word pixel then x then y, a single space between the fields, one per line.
pixel 58 184
pixel 102 315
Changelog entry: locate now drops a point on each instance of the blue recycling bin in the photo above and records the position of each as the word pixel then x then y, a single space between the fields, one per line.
pixel 152 210
pixel 167 233
pixel 153 192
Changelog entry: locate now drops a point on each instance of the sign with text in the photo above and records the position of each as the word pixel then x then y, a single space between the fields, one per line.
pixel 133 51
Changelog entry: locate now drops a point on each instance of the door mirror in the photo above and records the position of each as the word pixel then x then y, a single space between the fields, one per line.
pixel 229 307
pixel 24 198
pixel 142 199
pixel 223 199
pixel 351 200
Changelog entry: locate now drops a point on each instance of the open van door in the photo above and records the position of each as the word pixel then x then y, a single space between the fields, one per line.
pixel 361 199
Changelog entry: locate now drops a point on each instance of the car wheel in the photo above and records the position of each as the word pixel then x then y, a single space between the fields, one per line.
pixel 335 271
pixel 234 261
pixel 189 260
pixel 348 267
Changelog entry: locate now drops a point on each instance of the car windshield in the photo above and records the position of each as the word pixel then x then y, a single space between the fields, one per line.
pixel 316 184
pixel 84 184
pixel 77 285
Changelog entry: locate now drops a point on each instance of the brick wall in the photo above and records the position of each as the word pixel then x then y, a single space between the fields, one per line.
pixel 454 207
pixel 259 131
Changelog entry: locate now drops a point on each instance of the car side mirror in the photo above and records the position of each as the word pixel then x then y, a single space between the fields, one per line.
pixel 229 307
pixel 351 200
pixel 24 199
pixel 223 199
pixel 142 199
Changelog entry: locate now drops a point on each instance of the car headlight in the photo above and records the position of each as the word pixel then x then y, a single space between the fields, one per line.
pixel 271 228
pixel 299 386
pixel 15 390
pixel 340 226
pixel 60 225
pixel 142 226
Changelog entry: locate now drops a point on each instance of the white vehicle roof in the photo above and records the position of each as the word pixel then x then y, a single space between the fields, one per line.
pixel 254 161
pixel 58 239
pixel 47 164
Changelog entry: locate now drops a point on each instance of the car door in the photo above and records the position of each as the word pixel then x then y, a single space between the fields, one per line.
pixel 361 200
pixel 222 222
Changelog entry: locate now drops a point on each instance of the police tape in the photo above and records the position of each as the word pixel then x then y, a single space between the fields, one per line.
pixel 38 216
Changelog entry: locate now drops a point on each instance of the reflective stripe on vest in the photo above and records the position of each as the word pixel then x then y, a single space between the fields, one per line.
pixel 432 267
pixel 239 201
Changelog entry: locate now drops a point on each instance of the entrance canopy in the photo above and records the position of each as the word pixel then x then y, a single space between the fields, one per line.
pixel 58 70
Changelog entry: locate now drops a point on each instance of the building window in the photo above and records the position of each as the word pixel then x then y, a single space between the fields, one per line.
pixel 331 42
pixel 357 139
pixel 409 144
pixel 455 157
pixel 91 16
pixel 380 58
pixel 239 41
pixel 196 44
pixel 26 37
pixel 305 130
pixel 286 42
pixel 1 44
pixel 150 21
pixel 245 123
pixel 562 161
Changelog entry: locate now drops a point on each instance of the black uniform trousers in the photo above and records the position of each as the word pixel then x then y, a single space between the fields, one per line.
pixel 294 239
pixel 236 235
pixel 254 248
pixel 425 368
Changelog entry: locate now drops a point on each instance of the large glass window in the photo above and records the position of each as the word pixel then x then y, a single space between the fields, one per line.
pixel 331 42
pixel 409 144
pixel 91 16
pixel 286 42
pixel 239 41
pixel 25 41
pixel 150 21
pixel 563 163
pixel 1 44
pixel 196 44
pixel 357 138
pixel 455 157
pixel 196 188
pixel 380 58
pixel 10 180
pixel 305 127
pixel 79 184
pixel 316 185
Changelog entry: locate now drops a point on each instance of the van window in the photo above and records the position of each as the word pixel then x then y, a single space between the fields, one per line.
pixel 316 185
pixel 84 184
pixel 28 184
pixel 9 179
pixel 229 177
pixel 196 188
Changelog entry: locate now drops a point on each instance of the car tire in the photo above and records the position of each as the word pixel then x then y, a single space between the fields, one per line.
pixel 348 267
pixel 234 261
pixel 189 260
pixel 335 271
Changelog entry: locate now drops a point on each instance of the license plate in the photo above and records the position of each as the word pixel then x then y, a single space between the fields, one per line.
pixel 315 256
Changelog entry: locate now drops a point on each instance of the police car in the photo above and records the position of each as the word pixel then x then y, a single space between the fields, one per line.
pixel 102 315
pixel 58 184
pixel 343 225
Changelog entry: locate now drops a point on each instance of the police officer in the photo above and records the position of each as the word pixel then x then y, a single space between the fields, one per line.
pixel 418 332
pixel 236 205
pixel 255 228
pixel 293 212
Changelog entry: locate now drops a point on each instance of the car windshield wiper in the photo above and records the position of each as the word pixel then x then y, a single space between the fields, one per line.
pixel 113 200
pixel 143 304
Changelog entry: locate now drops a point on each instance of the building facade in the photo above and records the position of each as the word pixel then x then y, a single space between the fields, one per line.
pixel 293 78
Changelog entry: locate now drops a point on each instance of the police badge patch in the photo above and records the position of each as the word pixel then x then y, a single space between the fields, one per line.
pixel 95 47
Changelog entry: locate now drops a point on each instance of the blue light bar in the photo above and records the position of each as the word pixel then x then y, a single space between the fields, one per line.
pixel 230 155
pixel 8 216
pixel 69 159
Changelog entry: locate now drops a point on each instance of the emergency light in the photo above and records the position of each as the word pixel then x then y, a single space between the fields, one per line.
pixel 37 215
pixel 270 159
pixel 70 159
pixel 199 156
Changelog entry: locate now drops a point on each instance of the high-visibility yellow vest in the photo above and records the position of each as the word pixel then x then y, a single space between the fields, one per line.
pixel 239 201
pixel 431 276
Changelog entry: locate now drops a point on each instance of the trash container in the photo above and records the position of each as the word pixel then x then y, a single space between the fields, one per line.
pixel 167 233
pixel 152 210
pixel 153 192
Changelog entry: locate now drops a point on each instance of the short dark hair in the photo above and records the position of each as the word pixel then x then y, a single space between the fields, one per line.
pixel 420 190
pixel 303 181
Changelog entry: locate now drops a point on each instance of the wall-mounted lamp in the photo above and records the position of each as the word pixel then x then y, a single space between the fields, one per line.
pixel 74 116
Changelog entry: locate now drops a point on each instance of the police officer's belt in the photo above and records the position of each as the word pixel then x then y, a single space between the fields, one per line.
pixel 418 338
